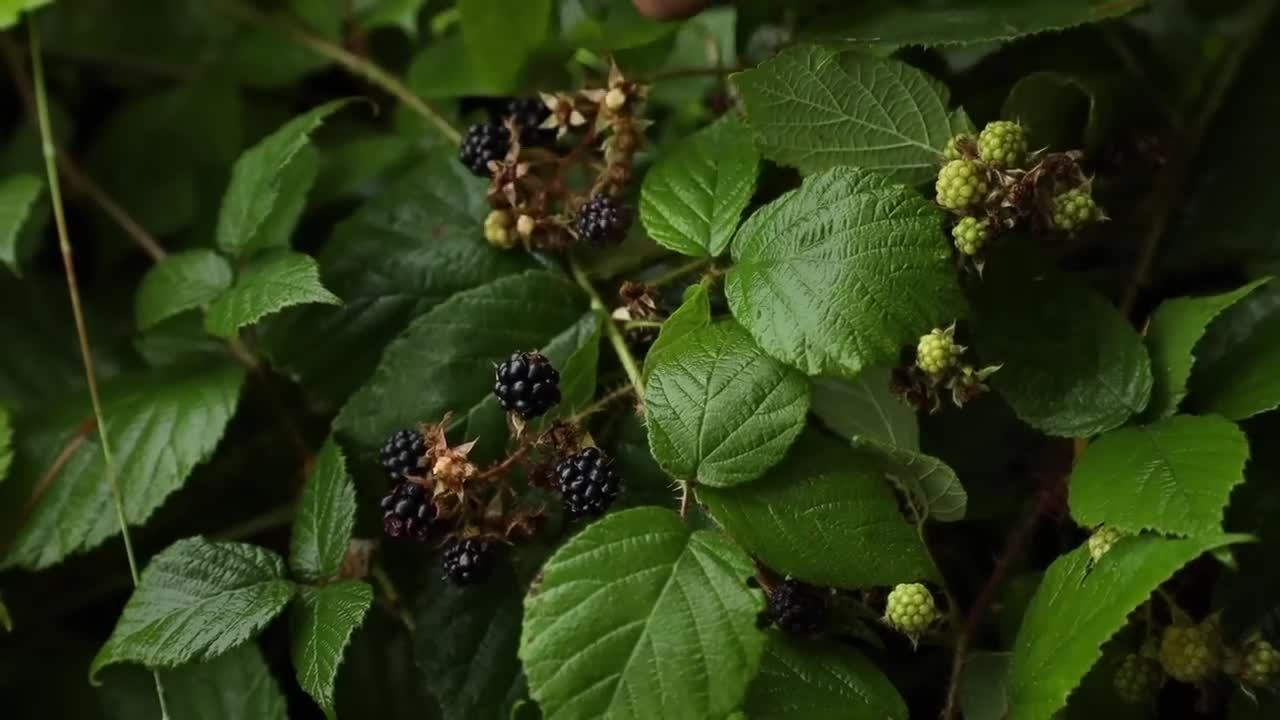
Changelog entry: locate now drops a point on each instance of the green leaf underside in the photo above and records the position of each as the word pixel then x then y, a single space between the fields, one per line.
pixel 820 680
pixel 693 197
pixel 693 314
pixel 864 407
pixel 720 411
pixel 444 361
pixel 257 180
pixel 326 515
pixel 968 22
pixel 161 427
pixel 196 600
pixel 269 284
pixel 815 107
pixel 1172 335
pixel 1079 606
pixel 1072 365
pixel 1235 374
pixel 321 625
pixel 935 489
pixel 1174 476
pixel 638 617
pixel 180 282
pixel 404 252
pixel 6 443
pixel 838 275
pixel 236 685
pixel 17 194
pixel 579 372
pixel 823 495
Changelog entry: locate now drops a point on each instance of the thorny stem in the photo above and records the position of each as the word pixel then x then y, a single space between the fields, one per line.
pixel 603 402
pixel 86 355
pixel 268 520
pixel 351 62
pixel 611 330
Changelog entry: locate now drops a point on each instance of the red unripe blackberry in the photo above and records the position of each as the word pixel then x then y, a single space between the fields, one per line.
pixel 527 385
pixel 404 455
pixel 468 561
pixel 798 608
pixel 588 483
pixel 408 512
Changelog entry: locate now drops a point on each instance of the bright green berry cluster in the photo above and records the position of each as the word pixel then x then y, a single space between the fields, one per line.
pixel 910 608
pixel 1190 653
pixel 1261 664
pixel 1102 540
pixel 938 352
pixel 1003 144
pixel 1074 209
pixel 952 150
pixel 971 234
pixel 961 183
pixel 1137 679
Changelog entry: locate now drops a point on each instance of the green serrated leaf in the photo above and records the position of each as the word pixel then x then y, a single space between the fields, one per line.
pixel 1174 476
pixel 719 411
pixel 180 282
pixel 820 680
pixel 326 515
pixel 322 622
pixel 983 695
pixel 236 685
pixel 6 443
pixel 406 251
pixel 1072 365
pixel 821 271
pixel 258 180
pixel 966 22
pixel 609 26
pixel 11 9
pixel 444 361
pixel 196 600
pixel 639 617
pixel 162 425
pixel 579 372
pixel 815 107
pixel 865 407
pixel 1079 605
pixel 17 194
pixel 466 642
pixel 296 180
pixel 1234 373
pixel 693 314
pixel 500 36
pixel 823 495
pixel 269 284
pixel 933 486
pixel 1059 110
pixel 693 197
pixel 1172 335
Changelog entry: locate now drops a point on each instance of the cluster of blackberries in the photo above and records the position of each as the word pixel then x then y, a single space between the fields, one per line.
pixel 490 140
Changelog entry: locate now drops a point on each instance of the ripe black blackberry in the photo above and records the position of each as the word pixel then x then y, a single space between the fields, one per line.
pixel 468 561
pixel 798 608
pixel 404 455
pixel 408 512
pixel 588 483
pixel 528 114
pixel 484 142
pixel 602 221
pixel 527 385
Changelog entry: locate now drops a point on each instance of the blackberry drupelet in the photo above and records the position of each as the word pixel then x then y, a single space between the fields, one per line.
pixel 482 143
pixel 602 221
pixel 588 483
pixel 404 455
pixel 798 608
pixel 528 114
pixel 408 512
pixel 468 561
pixel 527 385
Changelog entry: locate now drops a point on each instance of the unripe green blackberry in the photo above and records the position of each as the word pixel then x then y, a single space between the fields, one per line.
pixel 1190 653
pixel 910 609
pixel 1260 666
pixel 1102 540
pixel 952 150
pixel 937 352
pixel 497 229
pixel 1002 144
pixel 1074 209
pixel 1137 679
pixel 971 234
pixel 960 184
